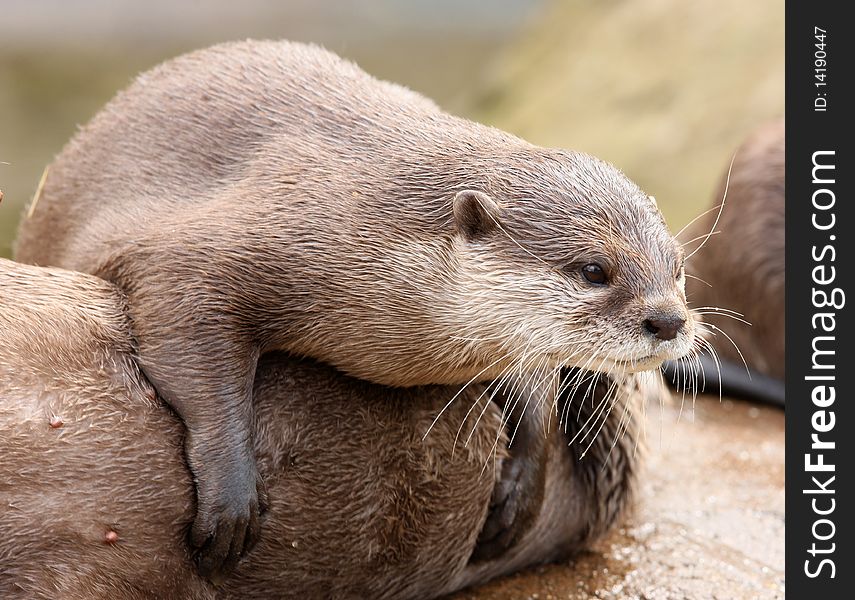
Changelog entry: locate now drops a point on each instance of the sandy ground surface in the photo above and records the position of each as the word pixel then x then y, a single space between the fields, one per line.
pixel 709 524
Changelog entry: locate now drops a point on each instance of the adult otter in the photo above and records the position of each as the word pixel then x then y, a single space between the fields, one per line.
pixel 741 268
pixel 258 196
pixel 96 496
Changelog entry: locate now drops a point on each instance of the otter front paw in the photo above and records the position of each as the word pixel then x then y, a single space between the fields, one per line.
pixel 516 501
pixel 227 523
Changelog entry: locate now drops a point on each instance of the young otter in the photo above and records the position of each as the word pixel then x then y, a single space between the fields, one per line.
pixel 263 196
pixel 96 496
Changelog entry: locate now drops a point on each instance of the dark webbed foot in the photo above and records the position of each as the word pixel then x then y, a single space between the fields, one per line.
pixel 230 501
pixel 518 495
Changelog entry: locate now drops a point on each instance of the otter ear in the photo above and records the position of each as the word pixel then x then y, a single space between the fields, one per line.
pixel 476 213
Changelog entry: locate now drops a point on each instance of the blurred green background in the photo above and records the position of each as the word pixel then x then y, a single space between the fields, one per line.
pixel 664 89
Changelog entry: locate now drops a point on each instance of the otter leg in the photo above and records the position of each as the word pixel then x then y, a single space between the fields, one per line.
pixel 518 495
pixel 203 366
pixel 213 401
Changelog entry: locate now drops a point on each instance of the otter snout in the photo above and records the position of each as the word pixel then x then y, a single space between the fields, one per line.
pixel 664 327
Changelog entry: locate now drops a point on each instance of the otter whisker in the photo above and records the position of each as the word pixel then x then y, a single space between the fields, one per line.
pixel 570 386
pixel 681 362
pixel 721 206
pixel 719 314
pixel 719 308
pixel 573 383
pixel 502 381
pixel 535 377
pixel 585 425
pixel 460 391
pixel 697 348
pixel 548 384
pixel 593 382
pixel 551 380
pixel 643 421
pixel 695 370
pixel 688 373
pixel 623 424
pixel 503 424
pixel 508 411
pixel 607 404
pixel 702 237
pixel 708 347
pixel 610 400
pixel 567 390
pixel 521 416
pixel 694 364
pixel 689 224
pixel 696 278
pixel 552 386
pixel 730 339
pixel 628 420
pixel 475 403
pixel 504 378
pixel 586 373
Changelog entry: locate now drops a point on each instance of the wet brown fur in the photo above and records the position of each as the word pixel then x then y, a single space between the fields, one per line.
pixel 360 505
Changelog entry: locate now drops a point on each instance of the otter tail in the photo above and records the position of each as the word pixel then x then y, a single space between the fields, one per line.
pixel 735 381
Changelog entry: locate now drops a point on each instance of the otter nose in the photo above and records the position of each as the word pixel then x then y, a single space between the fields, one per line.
pixel 664 328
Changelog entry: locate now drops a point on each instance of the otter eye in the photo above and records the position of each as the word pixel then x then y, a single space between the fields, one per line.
pixel 594 273
pixel 679 271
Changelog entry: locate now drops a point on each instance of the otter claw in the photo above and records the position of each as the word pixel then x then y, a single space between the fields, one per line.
pixel 223 537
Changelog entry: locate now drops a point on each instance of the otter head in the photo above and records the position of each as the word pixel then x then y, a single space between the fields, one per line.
pixel 567 262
